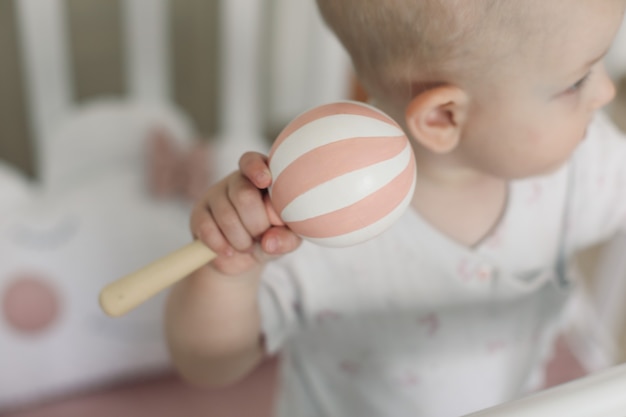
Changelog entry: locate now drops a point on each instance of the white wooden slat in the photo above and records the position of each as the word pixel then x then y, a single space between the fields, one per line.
pixel 147 49
pixel 288 72
pixel 329 64
pixel 309 66
pixel 240 124
pixel 616 58
pixel 240 57
pixel 43 41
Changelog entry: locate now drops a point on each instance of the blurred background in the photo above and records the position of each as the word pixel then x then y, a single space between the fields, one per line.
pixel 268 57
pixel 114 115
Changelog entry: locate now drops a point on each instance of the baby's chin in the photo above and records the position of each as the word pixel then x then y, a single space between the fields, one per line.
pixel 545 169
pixel 584 134
pixel 557 165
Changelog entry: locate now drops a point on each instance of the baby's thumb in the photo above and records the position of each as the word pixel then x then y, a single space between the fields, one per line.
pixel 278 241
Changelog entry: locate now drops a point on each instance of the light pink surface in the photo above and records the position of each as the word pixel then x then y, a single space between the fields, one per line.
pixel 176 171
pixel 563 366
pixel 330 161
pixel 167 396
pixel 331 109
pixel 363 213
pixel 336 159
pixel 30 303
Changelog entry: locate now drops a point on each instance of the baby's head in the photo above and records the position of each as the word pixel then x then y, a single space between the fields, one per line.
pixel 506 87
pixel 397 44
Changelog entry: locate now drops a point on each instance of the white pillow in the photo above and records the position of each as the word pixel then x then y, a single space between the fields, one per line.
pixel 60 245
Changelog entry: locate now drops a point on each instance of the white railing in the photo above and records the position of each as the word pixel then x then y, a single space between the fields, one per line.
pixel 45 52
pixel 147 49
pixel 599 395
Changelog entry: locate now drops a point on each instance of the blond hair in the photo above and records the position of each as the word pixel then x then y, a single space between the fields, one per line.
pixel 427 41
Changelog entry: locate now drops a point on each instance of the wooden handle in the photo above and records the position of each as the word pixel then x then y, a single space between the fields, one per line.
pixel 123 295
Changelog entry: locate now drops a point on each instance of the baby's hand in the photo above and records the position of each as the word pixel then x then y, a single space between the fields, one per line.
pixel 231 219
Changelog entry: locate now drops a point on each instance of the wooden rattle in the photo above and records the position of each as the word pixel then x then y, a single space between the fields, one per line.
pixel 342 174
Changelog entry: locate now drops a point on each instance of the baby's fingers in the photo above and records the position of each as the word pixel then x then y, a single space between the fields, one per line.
pixel 230 224
pixel 204 228
pixel 248 203
pixel 253 166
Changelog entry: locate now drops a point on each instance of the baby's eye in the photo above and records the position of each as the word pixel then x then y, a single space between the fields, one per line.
pixel 579 84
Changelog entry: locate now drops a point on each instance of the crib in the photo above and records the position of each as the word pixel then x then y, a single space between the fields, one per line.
pixel 78 207
pixel 78 214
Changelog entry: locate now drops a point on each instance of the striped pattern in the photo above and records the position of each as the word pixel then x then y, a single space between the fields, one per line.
pixel 343 173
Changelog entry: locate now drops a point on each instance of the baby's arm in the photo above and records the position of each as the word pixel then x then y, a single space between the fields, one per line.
pixel 212 317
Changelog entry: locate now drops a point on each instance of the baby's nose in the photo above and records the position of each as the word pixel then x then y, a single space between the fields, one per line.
pixel 605 91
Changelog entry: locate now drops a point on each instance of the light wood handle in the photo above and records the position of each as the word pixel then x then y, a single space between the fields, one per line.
pixel 123 295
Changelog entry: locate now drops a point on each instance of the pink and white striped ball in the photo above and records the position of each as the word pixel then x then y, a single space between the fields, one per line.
pixel 342 173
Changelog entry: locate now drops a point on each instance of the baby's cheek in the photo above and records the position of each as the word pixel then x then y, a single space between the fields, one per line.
pixel 30 304
pixel 534 135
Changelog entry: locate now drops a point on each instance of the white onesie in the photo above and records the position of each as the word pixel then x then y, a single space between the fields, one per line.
pixel 414 324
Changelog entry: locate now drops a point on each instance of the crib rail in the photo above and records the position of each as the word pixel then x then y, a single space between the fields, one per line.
pixel 264 77
pixel 598 395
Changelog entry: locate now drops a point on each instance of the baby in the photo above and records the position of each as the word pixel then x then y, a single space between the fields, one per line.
pixel 455 307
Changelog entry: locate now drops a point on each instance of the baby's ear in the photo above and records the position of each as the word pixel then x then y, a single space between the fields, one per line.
pixel 436 117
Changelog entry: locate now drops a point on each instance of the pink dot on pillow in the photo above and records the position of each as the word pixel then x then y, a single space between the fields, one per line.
pixel 30 304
